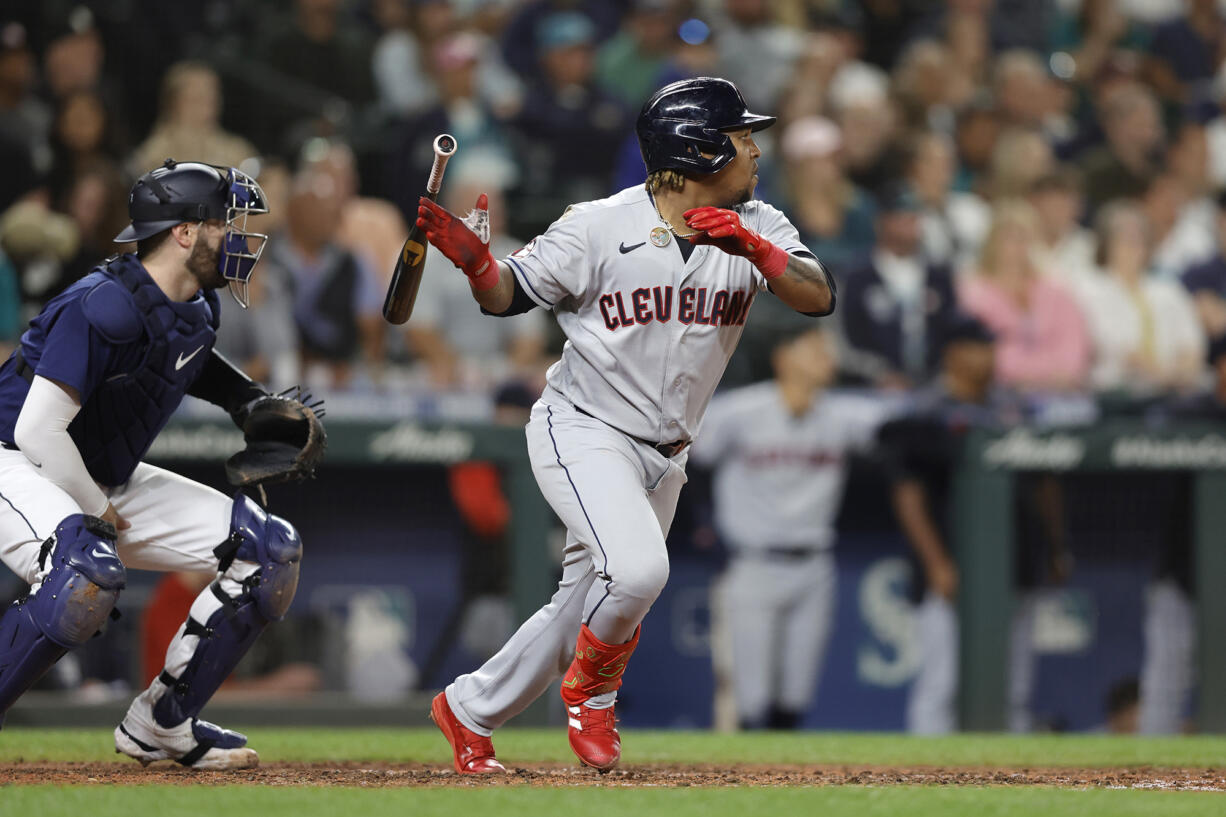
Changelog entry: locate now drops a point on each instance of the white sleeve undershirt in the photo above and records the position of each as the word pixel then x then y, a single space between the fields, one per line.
pixel 42 435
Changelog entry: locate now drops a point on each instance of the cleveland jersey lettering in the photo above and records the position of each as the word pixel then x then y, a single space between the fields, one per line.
pixel 656 304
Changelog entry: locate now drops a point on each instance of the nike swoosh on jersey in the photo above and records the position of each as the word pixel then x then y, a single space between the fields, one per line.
pixel 623 249
pixel 182 361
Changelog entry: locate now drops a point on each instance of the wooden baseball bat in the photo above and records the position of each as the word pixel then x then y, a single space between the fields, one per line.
pixel 406 278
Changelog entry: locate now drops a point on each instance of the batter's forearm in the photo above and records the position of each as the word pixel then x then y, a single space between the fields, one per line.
pixel 496 299
pixel 805 286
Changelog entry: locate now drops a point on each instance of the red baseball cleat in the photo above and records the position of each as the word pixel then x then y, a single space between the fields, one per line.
pixel 593 736
pixel 474 754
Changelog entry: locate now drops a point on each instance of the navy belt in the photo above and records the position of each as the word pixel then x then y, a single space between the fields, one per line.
pixel 798 552
pixel 668 450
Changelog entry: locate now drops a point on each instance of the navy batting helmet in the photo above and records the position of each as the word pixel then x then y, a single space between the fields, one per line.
pixel 178 192
pixel 684 120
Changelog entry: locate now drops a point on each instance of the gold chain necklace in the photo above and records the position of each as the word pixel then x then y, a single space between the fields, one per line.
pixel 665 221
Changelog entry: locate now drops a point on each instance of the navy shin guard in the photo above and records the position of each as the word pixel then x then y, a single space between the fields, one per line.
pixel 256 537
pixel 69 607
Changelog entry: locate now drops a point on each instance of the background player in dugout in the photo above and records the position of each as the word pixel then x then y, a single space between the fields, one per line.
pixel 919 449
pixel 93 381
pixel 651 287
pixel 780 452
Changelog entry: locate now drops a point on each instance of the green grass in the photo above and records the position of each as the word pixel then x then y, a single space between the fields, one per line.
pixel 167 801
pixel 527 746
pixel 549 745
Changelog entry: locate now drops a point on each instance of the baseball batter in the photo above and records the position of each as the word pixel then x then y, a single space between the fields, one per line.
pixel 780 450
pixel 93 381
pixel 652 287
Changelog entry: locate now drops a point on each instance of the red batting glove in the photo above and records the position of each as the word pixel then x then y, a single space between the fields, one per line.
pixel 723 229
pixel 461 245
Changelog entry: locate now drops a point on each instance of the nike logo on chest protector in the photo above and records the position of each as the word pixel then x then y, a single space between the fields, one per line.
pixel 181 361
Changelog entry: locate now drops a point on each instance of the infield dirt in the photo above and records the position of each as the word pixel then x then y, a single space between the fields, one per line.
pixel 379 775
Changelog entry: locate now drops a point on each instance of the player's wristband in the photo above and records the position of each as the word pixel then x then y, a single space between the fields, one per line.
pixel 488 276
pixel 771 261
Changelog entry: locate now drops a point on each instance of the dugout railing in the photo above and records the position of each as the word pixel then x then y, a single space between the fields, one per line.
pixel 983 512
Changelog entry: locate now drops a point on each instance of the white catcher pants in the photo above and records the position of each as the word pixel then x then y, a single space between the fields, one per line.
pixel 616 497
pixel 175 524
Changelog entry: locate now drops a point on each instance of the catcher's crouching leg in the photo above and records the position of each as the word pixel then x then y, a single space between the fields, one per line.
pixel 69 606
pixel 259 565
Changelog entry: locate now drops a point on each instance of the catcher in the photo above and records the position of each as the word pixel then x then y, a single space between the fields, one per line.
pixel 94 379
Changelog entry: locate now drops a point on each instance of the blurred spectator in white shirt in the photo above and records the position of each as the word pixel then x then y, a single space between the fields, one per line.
pixel 1182 230
pixel 1147 338
pixel 1062 247
pixel 189 126
pixel 953 223
pixel 1207 281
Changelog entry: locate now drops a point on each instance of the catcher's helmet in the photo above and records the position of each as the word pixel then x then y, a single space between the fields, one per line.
pixel 193 191
pixel 685 119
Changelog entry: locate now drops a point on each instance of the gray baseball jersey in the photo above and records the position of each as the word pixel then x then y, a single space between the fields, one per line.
pixel 780 477
pixel 647 337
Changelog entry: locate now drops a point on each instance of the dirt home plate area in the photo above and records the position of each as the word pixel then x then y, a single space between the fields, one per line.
pixel 376 775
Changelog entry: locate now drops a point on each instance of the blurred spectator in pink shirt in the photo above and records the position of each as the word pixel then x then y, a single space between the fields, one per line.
pixel 1041 339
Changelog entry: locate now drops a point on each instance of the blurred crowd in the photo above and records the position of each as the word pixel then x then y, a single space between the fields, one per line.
pixel 1053 167
pixel 1022 196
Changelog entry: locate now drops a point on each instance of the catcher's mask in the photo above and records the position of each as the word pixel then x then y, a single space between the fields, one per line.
pixel 194 191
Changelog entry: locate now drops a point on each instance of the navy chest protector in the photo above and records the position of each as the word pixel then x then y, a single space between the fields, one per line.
pixel 164 348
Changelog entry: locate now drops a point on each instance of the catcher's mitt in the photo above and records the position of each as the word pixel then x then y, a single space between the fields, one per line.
pixel 285 440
